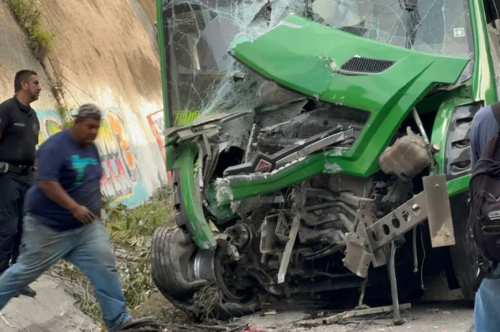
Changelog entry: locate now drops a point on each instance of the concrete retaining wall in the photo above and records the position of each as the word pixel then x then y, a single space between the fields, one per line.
pixel 105 53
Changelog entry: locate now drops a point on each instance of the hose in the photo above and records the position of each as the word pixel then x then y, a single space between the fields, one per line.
pixel 327 251
pixel 420 125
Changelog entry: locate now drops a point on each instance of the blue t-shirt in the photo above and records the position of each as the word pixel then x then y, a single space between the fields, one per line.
pixel 78 170
pixel 484 125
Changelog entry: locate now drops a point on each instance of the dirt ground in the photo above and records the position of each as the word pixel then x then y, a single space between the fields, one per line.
pixel 439 310
pixel 438 316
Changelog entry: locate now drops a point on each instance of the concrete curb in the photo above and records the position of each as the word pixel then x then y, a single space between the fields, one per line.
pixel 51 310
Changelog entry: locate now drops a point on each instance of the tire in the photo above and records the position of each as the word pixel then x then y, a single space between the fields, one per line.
pixel 170 252
pixel 464 254
pixel 168 247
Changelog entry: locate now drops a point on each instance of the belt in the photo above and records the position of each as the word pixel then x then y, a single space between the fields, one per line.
pixel 19 169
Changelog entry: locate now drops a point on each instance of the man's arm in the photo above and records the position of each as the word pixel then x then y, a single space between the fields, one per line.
pixel 483 126
pixel 4 118
pixel 100 193
pixel 474 142
pixel 55 192
pixel 49 165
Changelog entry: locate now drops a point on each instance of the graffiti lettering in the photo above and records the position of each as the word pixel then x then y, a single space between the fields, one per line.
pixel 156 122
pixel 120 173
pixel 183 118
pixel 120 169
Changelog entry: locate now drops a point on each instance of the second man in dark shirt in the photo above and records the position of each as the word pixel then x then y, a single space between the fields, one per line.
pixel 19 129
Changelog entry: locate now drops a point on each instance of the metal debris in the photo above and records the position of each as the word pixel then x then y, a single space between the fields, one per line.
pixel 350 314
pixel 270 313
pixel 145 325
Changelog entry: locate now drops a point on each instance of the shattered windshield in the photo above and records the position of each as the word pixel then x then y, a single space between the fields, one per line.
pixel 203 78
pixel 432 26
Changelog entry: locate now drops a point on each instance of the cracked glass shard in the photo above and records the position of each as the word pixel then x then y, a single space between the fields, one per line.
pixel 203 78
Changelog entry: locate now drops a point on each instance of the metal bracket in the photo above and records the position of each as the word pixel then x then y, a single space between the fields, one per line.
pixel 285 260
pixel 203 122
pixel 359 253
pixel 439 211
pixel 432 204
pixel 398 222
pixel 265 163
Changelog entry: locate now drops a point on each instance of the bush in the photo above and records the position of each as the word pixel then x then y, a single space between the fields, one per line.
pixel 28 14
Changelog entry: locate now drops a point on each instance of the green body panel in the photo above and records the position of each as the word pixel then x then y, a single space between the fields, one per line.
pixel 456 186
pixel 440 131
pixel 163 65
pixel 442 123
pixel 267 183
pixel 389 96
pixel 305 56
pixel 296 56
pixel 190 197
pixel 482 86
pixel 296 173
pixel 483 78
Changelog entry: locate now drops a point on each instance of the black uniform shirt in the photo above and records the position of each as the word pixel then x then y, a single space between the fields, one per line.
pixel 19 128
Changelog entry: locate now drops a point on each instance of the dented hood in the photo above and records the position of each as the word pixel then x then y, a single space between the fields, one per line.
pixel 339 67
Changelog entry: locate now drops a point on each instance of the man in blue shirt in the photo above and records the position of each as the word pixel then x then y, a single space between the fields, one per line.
pixel 62 212
pixel 487 304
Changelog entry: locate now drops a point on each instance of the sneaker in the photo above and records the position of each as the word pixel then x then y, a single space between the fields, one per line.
pixel 135 324
pixel 27 291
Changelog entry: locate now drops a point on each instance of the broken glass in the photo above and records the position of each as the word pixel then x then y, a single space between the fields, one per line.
pixel 202 77
pixel 438 26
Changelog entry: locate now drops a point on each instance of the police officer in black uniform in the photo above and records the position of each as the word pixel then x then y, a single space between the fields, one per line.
pixel 19 128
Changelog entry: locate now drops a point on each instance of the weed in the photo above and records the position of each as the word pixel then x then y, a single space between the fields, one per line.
pixel 130 232
pixel 66 117
pixel 208 297
pixel 28 14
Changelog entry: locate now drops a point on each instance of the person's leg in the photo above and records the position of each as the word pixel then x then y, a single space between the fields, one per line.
pixel 26 182
pixel 41 248
pixel 93 255
pixel 486 308
pixel 10 193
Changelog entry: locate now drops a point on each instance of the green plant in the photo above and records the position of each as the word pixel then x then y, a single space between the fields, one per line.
pixel 66 118
pixel 28 14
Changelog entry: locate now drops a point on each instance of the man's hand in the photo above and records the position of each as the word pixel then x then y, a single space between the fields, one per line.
pixel 82 214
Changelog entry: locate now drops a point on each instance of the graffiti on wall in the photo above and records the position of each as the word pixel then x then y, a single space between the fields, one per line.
pixel 183 118
pixel 121 178
pixel 50 123
pixel 157 124
pixel 121 181
pixel 120 170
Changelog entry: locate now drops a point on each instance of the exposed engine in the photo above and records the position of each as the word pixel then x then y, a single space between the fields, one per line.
pixel 294 240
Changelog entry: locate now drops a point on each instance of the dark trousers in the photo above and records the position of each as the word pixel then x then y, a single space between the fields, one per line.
pixel 13 188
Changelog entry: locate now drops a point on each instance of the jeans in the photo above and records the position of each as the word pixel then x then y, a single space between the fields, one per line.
pixel 487 305
pixel 86 247
pixel 13 188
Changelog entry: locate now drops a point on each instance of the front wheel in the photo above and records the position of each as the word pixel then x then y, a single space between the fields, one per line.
pixel 172 252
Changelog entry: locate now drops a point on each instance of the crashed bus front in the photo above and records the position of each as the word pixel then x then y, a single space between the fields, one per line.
pixel 308 140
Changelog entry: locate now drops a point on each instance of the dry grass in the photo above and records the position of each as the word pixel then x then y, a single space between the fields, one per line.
pixel 208 297
pixel 130 232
